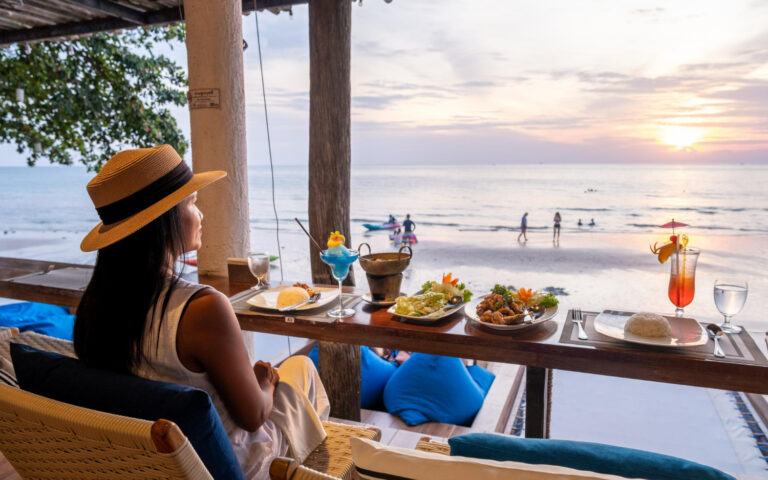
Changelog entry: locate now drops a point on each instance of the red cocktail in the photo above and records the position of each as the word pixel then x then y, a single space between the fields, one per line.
pixel 682 277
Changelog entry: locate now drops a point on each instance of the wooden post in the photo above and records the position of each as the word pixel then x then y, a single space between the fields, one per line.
pixel 341 380
pixel 217 121
pixel 537 390
pixel 329 117
pixel 330 24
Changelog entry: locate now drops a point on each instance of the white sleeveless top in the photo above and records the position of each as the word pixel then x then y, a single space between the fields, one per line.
pixel 254 450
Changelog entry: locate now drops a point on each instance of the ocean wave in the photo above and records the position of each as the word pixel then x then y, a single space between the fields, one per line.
pixel 583 209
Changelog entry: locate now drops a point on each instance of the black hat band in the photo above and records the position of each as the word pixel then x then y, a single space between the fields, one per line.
pixel 147 196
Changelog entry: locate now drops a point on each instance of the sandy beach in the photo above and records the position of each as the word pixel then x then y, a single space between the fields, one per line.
pixel 595 271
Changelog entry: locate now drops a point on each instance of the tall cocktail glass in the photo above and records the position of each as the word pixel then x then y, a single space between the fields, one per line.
pixel 340 264
pixel 682 278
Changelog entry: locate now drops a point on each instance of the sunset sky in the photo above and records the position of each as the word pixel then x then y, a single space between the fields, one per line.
pixel 549 81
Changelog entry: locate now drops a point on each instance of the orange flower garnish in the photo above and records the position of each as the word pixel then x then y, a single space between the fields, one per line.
pixel 523 295
pixel 451 281
pixel 336 239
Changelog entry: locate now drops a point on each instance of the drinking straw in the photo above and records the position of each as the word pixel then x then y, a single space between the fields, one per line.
pixel 310 236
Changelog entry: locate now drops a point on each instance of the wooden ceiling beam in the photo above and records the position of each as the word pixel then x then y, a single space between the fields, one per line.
pixel 98 25
pixel 112 9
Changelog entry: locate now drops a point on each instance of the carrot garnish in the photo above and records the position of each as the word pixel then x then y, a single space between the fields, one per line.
pixel 447 279
pixel 523 295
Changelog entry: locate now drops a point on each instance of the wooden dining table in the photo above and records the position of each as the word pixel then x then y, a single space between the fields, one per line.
pixel 540 348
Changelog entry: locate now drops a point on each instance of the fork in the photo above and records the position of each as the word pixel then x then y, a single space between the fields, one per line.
pixel 579 319
pixel 313 299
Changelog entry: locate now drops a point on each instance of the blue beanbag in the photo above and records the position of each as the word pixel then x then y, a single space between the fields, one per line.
pixel 69 380
pixel 593 457
pixel 433 388
pixel 482 377
pixel 50 320
pixel 374 373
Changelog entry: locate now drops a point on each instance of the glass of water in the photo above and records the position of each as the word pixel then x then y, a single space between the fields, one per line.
pixel 730 296
pixel 258 264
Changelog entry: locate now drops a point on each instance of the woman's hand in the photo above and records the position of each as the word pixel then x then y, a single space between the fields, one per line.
pixel 265 374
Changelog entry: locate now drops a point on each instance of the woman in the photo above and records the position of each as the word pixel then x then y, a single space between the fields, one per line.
pixel 139 316
pixel 556 229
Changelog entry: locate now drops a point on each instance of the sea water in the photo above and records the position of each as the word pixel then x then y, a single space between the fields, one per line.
pixel 713 199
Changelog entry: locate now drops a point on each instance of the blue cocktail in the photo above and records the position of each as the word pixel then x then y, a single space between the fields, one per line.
pixel 339 258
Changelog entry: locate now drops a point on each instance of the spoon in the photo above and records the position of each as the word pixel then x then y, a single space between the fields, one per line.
pixel 715 332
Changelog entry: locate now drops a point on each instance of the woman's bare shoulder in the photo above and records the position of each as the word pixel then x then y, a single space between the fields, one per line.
pixel 210 306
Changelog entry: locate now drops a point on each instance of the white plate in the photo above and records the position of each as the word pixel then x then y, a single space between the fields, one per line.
pixel 267 299
pixel 427 318
pixel 686 332
pixel 470 310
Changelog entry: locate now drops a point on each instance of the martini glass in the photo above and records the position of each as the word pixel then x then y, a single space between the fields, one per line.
pixel 340 269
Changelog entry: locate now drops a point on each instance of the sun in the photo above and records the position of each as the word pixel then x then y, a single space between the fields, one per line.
pixel 682 138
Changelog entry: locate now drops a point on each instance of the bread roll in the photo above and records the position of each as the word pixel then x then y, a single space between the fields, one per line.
pixel 291 296
pixel 648 325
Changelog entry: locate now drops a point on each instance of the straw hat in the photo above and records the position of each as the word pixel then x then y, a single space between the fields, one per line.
pixel 135 187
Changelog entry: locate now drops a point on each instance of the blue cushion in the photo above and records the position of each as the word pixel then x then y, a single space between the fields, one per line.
pixel 69 380
pixel 374 373
pixel 593 457
pixel 482 377
pixel 433 388
pixel 50 320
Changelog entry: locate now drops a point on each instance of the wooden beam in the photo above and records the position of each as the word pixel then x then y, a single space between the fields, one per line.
pixel 330 157
pixel 330 23
pixel 251 5
pixel 339 369
pixel 100 25
pixel 27 19
pixel 537 402
pixel 112 9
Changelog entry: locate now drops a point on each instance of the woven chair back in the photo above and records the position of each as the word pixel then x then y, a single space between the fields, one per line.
pixel 47 439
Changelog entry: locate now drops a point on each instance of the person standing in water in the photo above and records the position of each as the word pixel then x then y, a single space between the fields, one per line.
pixel 523 227
pixel 408 228
pixel 556 228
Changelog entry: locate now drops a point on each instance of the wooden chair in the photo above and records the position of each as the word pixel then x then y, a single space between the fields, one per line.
pixel 287 469
pixel 44 438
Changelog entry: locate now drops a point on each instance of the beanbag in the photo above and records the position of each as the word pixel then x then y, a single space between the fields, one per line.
pixel 374 373
pixel 482 377
pixel 431 388
pixel 50 320
pixel 592 457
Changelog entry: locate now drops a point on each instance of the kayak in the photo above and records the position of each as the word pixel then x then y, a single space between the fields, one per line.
pixel 383 226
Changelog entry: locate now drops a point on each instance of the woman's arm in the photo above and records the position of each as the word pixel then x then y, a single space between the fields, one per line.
pixel 209 340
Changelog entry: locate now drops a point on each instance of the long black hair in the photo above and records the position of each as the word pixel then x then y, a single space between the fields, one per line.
pixel 127 282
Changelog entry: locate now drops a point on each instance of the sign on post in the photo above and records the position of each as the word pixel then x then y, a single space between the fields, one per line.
pixel 203 98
